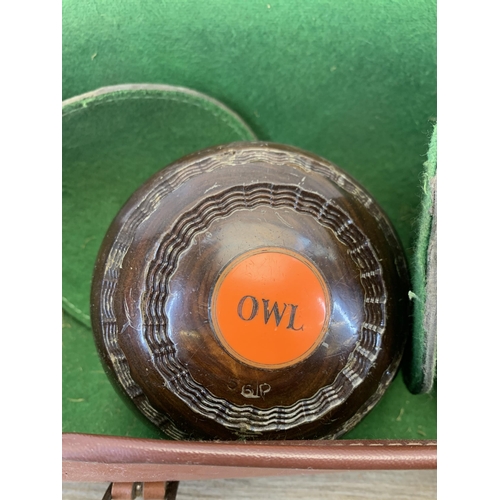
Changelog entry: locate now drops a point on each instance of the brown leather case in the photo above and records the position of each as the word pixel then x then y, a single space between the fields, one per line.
pixel 118 459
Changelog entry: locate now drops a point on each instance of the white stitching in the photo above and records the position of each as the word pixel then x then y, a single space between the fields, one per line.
pixel 66 301
pixel 85 103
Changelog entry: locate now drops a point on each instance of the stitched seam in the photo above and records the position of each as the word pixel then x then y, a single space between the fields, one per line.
pixel 389 444
pixel 72 306
pixel 214 112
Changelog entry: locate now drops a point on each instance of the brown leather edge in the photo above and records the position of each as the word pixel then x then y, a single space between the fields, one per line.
pixel 98 458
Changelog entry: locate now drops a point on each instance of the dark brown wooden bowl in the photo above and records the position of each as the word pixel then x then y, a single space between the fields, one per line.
pixel 251 290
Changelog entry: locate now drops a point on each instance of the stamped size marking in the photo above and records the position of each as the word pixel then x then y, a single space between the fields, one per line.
pixel 259 391
pixel 270 308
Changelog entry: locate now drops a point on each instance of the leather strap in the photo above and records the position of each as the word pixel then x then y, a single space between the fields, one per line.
pixel 107 458
pixel 159 490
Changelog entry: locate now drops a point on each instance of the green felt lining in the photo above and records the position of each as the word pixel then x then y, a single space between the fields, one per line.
pixel 422 352
pixel 353 81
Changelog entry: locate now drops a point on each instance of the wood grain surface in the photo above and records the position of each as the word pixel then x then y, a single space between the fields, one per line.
pixel 175 335
pixel 342 485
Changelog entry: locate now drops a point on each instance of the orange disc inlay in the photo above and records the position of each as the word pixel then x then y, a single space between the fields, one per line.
pixel 270 308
